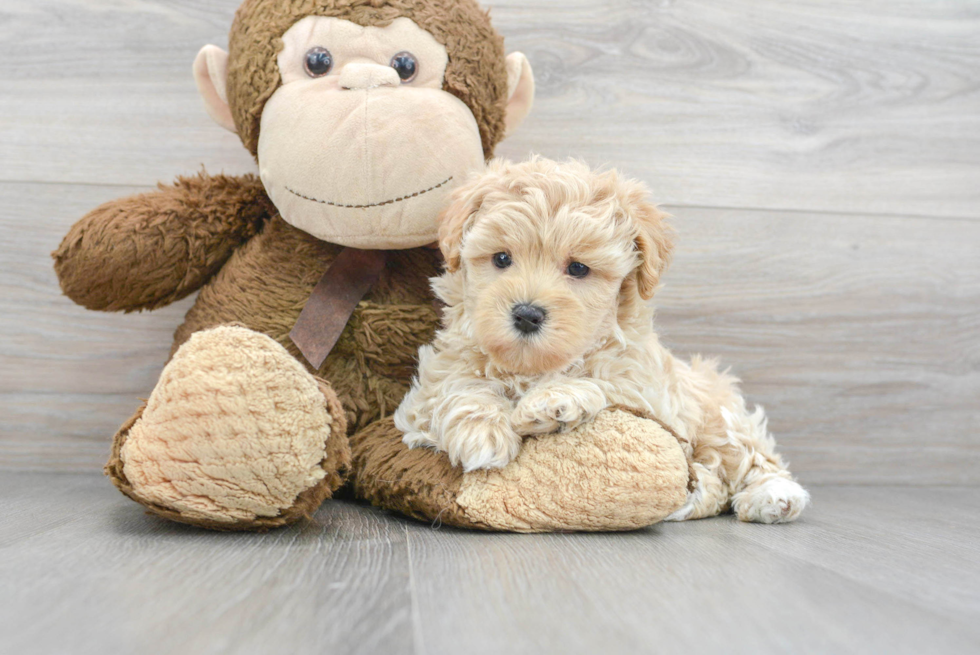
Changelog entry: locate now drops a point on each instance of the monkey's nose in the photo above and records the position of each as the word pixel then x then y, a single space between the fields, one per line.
pixel 528 318
pixel 368 76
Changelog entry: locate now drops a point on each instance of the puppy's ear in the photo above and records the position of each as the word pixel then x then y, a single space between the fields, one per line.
pixel 459 217
pixel 654 240
pixel 453 224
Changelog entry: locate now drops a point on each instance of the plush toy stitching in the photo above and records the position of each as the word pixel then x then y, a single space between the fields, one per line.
pixel 377 204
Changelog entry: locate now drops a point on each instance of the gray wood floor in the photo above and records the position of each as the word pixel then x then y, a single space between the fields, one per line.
pixel 822 162
pixel 868 570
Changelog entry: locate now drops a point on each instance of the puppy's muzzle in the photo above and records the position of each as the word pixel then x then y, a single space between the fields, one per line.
pixel 528 318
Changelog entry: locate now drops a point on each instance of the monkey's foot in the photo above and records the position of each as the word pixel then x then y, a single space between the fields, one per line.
pixel 237 435
pixel 620 472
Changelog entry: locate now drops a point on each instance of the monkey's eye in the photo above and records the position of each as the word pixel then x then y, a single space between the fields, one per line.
pixel 318 62
pixel 406 65
pixel 578 269
pixel 502 260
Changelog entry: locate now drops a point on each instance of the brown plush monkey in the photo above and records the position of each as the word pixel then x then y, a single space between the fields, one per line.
pixel 362 115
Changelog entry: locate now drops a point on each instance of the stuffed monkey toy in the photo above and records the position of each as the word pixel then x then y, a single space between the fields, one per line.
pixel 363 116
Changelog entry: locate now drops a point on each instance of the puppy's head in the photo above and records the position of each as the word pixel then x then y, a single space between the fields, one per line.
pixel 543 260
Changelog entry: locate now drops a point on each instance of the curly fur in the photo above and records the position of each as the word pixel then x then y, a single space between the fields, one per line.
pixel 483 385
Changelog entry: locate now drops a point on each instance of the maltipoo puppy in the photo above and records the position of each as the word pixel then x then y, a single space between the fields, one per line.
pixel 549 268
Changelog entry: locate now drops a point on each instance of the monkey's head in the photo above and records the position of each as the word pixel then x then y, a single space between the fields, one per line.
pixel 363 115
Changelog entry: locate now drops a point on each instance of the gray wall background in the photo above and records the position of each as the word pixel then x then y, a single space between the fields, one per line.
pixel 821 159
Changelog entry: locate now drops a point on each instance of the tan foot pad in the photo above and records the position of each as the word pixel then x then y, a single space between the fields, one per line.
pixel 236 435
pixel 621 472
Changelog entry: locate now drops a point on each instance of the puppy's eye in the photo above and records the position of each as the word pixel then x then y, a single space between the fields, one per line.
pixel 318 62
pixel 502 260
pixel 578 269
pixel 406 65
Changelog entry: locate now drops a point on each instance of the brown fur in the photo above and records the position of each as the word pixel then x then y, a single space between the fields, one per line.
pixel 261 285
pixel 420 483
pixel 171 241
pixel 476 73
pixel 265 284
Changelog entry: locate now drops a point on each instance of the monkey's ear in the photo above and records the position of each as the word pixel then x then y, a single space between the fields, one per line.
pixel 211 75
pixel 520 91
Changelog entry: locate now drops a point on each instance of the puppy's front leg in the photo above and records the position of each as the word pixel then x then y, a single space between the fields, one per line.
pixel 472 426
pixel 465 416
pixel 558 404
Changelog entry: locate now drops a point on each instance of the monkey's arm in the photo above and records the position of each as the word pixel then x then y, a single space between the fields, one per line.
pixel 151 249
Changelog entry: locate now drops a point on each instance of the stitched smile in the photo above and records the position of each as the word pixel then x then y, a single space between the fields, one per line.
pixel 376 204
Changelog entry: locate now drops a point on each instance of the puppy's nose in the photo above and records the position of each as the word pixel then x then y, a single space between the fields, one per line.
pixel 528 318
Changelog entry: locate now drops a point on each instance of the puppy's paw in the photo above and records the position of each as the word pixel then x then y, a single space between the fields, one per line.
pixel 482 444
pixel 556 408
pixel 544 417
pixel 687 511
pixel 709 497
pixel 415 439
pixel 777 500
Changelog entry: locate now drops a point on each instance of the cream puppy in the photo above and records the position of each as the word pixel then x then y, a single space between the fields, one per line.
pixel 549 268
